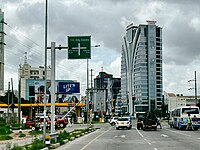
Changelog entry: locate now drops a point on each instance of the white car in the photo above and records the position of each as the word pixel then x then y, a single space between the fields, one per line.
pixel 113 121
pixel 123 122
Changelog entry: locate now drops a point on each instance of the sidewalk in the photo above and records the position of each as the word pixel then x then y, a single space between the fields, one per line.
pixel 28 139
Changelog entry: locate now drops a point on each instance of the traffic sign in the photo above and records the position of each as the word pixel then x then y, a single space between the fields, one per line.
pixel 79 47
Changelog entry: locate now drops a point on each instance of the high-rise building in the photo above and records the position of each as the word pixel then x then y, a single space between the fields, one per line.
pixel 1 50
pixel 105 92
pixel 141 67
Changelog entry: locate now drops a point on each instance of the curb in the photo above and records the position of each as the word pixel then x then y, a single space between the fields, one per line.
pixel 53 146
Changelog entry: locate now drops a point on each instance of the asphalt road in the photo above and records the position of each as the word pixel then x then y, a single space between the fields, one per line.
pixel 108 138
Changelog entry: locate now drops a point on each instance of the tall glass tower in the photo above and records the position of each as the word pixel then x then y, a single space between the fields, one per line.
pixel 141 68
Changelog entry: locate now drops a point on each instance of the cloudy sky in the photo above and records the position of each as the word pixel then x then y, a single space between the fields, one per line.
pixel 105 21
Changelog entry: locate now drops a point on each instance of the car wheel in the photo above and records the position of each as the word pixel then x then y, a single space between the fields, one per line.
pixel 112 123
pixel 33 128
pixel 61 125
pixel 117 128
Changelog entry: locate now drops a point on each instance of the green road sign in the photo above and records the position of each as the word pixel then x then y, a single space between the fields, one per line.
pixel 79 47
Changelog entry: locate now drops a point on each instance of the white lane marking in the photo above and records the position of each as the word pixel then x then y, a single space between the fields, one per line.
pixel 164 135
pixel 147 141
pixel 95 139
pixel 139 133
pixel 178 132
pixel 122 136
pixel 155 149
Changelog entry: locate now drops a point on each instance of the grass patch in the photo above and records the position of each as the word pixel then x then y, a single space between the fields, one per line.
pixel 17 148
pixel 36 132
pixel 5 137
pixel 37 145
pixel 63 136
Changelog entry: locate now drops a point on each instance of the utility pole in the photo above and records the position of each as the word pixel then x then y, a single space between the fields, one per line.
pixel 12 101
pixel 91 94
pixel 195 86
pixel 2 33
pixel 8 118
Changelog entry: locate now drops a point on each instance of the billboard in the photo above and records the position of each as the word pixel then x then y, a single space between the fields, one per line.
pixel 68 98
pixel 65 91
pixel 68 87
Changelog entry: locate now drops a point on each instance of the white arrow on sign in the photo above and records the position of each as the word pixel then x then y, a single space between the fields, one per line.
pixel 79 48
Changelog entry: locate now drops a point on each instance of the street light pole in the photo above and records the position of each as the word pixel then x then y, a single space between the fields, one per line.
pixel 87 90
pixel 45 64
pixel 195 87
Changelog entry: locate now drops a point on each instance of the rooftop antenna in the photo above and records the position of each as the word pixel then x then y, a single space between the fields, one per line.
pixel 102 69
pixel 25 58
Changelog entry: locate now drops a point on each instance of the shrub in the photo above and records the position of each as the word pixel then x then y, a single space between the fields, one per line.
pixel 63 136
pixel 17 148
pixel 4 130
pixel 22 135
pixel 37 145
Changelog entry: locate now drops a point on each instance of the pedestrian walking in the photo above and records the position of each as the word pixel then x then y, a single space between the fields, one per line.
pixel 159 123
pixel 189 123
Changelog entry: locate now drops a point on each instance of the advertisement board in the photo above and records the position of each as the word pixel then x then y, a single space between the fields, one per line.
pixel 68 87
pixel 65 91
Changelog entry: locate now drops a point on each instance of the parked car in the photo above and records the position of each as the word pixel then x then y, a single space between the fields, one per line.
pixel 123 122
pixel 61 122
pixel 113 121
pixel 30 124
pixel 40 122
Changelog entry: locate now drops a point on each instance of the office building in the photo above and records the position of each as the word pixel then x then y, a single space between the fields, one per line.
pixel 105 92
pixel 141 68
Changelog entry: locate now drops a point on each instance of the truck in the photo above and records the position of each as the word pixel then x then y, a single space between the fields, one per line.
pixel 149 121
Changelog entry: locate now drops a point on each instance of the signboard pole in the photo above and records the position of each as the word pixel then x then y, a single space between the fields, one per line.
pixel 52 87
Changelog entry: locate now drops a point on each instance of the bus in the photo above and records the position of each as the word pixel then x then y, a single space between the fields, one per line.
pixel 179 116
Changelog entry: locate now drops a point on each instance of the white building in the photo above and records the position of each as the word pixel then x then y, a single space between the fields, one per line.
pixel 141 67
pixel 178 100
pixel 35 73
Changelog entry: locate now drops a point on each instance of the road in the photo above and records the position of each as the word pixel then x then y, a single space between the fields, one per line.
pixel 108 138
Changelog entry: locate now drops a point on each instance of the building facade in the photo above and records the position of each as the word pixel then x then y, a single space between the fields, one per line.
pixel 173 100
pixel 105 92
pixel 141 71
pixel 2 50
pixel 33 73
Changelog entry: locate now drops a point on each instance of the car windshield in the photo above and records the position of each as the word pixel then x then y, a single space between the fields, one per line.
pixel 123 119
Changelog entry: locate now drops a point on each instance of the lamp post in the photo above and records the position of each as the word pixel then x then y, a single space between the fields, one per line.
pixel 87 90
pixel 195 87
